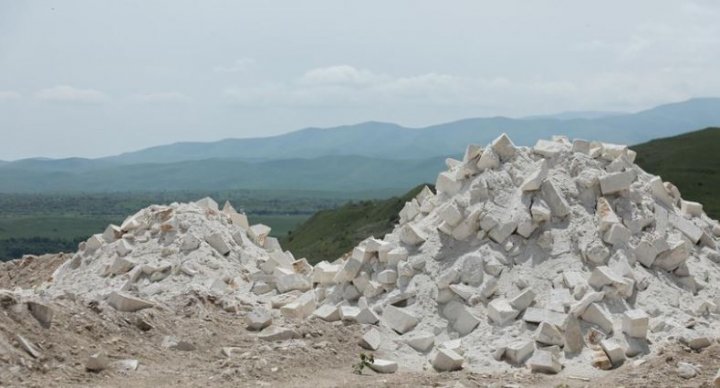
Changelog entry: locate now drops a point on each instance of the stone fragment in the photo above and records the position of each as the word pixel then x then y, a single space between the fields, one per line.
pixel 324 272
pixel 488 160
pixel 549 334
pixel 97 362
pixel 606 215
pixel 696 341
pixel 537 315
pixel 208 203
pixel 548 148
pixel 501 312
pixel 518 351
pixel 465 321
pixel 614 351
pixel 387 276
pixel 544 361
pixel 533 181
pixel 446 360
pixel 581 146
pixel 597 315
pixel 687 370
pixel 672 258
pixel 421 341
pixel 617 235
pixel 277 333
pixel 258 319
pixel 121 301
pixel 574 341
pixel 503 147
pixel 216 241
pixel 690 208
pixel 635 323
pixel 591 297
pixel 371 340
pixel 292 281
pixel 258 233
pixel 412 235
pixel 686 227
pixel 28 347
pixel 42 312
pixel 540 211
pixel 451 214
pixel 384 366
pixel 328 313
pixel 555 199
pixel 616 182
pixel 127 365
pixel 523 300
pixel 399 319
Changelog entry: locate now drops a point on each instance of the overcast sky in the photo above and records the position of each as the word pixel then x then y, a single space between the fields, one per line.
pixel 93 78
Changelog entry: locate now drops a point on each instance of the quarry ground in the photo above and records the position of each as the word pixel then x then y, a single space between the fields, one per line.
pixel 322 358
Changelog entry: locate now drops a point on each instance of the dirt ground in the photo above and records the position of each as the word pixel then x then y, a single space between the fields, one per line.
pixel 322 357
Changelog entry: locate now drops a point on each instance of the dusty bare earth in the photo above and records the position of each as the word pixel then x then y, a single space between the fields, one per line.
pixel 323 357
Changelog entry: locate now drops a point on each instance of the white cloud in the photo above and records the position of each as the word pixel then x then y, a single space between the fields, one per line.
pixel 162 97
pixel 239 65
pixel 341 75
pixel 69 94
pixel 8 95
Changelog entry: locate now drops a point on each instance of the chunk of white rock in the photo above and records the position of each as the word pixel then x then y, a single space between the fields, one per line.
pixel 544 361
pixel 451 214
pixel 121 301
pixel 523 300
pixel 258 233
pixel 549 334
pixel 614 351
pixel 635 323
pixel 504 147
pixel 383 366
pixel 448 182
pixel 328 313
pixel 446 360
pixel 421 341
pixel 258 319
pixel 597 315
pixel 617 234
pixel 692 209
pixel 300 308
pixel 501 312
pixel 555 199
pixel 616 182
pixel 97 362
pixel 412 235
pixel 387 276
pixel 533 181
pixel 399 319
pixel 371 340
pixel 518 351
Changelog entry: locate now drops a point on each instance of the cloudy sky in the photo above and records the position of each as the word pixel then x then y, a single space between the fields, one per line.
pixel 93 78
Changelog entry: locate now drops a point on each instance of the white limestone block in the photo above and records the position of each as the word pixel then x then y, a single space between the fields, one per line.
pixel 208 203
pixel 616 182
pixel 645 253
pixel 94 242
pixel 328 313
pixel 523 300
pixel 371 340
pixel 216 241
pixel 606 215
pixel 533 181
pixel 555 199
pixel 422 341
pixel 501 312
pixel 300 308
pixel 464 291
pixel 671 259
pixel 581 146
pixel 409 211
pixel 112 233
pixel 258 233
pixel 548 148
pixel 502 231
pixel 488 160
pixel 614 351
pixel 544 361
pixel 387 276
pixel 604 276
pixel 686 227
pixel 446 360
pixel 549 334
pixel 450 213
pixel 597 315
pixel 384 366
pixel 589 298
pixel 412 235
pixel 121 265
pixel 519 351
pixel 465 321
pixel 293 281
pixel 399 319
pixel 448 182
pixel 324 272
pixel 121 301
pixel 258 319
pixel 540 211
pixel 635 323
pixel 503 147
pixel 617 235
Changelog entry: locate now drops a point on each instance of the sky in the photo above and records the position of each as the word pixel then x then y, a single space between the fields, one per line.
pixel 94 78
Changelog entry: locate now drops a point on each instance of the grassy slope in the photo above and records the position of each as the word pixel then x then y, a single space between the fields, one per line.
pixel 691 162
pixel 330 233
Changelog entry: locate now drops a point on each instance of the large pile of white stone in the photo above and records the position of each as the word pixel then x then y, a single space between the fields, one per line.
pixel 562 255
pixel 163 253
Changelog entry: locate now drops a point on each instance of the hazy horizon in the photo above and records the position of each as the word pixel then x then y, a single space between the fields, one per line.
pixel 90 79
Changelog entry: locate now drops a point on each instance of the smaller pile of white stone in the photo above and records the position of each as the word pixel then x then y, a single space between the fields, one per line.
pixel 166 252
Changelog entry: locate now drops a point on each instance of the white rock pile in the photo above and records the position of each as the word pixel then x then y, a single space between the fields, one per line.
pixel 167 252
pixel 562 256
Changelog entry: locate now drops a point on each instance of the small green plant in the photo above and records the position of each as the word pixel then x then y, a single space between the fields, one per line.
pixel 365 361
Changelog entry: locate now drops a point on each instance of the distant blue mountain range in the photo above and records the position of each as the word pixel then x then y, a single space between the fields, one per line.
pixel 369 155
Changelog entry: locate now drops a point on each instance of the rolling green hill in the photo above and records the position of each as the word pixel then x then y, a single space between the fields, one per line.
pixel 691 162
pixel 330 233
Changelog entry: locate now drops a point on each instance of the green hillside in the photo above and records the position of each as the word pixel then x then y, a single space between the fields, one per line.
pixel 328 234
pixel 690 161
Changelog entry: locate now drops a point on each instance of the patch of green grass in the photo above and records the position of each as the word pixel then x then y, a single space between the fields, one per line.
pixel 691 162
pixel 329 234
